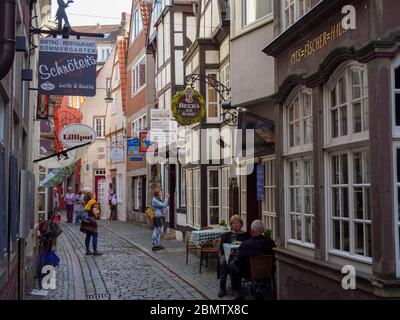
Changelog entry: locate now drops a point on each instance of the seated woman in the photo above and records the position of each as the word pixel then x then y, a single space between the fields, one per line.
pixel 239 235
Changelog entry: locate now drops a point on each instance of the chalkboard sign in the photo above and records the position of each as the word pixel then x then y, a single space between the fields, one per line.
pixel 260 183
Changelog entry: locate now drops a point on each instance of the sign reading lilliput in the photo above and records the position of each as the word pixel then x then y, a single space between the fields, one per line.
pixel 188 107
pixel 67 67
pixel 77 134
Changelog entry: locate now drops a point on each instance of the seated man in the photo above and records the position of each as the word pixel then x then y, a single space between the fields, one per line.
pixel 238 235
pixel 256 246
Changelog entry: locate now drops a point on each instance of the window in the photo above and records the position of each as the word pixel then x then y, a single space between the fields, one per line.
pixel 138 76
pixel 213 114
pixel 253 10
pixel 99 125
pixel 119 188
pixel 397 202
pixel 137 24
pixel 135 193
pixel 350 202
pixel 225 194
pixel 213 197
pixel 243 200
pixel 299 169
pixel 269 205
pixel 294 10
pixel 189 204
pixel 299 115
pixel 396 98
pixel 300 204
pixel 196 198
pixel 225 78
pixel 139 125
pixel 348 103
pixel 182 185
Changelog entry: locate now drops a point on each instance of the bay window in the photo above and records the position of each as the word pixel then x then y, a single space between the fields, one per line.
pixel 350 202
pixel 298 169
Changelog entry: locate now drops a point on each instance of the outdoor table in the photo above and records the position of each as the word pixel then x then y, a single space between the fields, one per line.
pixel 200 236
pixel 228 248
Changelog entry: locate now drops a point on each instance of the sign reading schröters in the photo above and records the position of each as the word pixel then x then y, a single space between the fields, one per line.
pixel 67 67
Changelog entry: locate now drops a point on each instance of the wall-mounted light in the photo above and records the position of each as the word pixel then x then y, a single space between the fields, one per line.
pixel 108 98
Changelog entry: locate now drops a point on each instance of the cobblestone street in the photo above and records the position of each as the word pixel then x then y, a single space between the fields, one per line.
pixel 128 269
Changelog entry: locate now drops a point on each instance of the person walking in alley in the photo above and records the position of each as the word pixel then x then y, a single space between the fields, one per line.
pixel 69 204
pixel 78 207
pixel 158 206
pixel 89 226
pixel 113 207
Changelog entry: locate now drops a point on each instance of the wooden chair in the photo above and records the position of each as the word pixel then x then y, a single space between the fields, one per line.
pixel 191 245
pixel 209 247
pixel 261 274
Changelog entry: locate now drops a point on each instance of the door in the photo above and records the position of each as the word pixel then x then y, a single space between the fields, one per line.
pixel 101 195
pixel 98 187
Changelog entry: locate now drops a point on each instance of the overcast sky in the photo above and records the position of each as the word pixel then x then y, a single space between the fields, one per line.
pixel 81 11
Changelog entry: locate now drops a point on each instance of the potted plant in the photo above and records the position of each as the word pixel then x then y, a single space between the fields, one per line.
pixel 268 233
pixel 222 224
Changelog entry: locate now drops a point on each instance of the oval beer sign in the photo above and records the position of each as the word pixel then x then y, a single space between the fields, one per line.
pixel 77 134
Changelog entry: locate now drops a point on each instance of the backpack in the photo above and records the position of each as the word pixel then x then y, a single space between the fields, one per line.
pixel 150 213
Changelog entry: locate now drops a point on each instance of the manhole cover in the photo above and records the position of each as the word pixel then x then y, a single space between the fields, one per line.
pixel 102 296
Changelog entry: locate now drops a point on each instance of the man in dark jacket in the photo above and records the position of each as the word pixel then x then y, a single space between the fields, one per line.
pixel 257 245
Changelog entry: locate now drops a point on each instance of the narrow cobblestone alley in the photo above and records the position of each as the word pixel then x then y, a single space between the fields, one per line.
pixel 123 272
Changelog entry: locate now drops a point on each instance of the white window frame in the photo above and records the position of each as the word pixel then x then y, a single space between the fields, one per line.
pixel 189 196
pixel 344 70
pixel 196 198
pixel 296 8
pixel 224 210
pixel 269 202
pixel 136 87
pixel 102 125
pixel 216 119
pixel 351 219
pixel 218 206
pixel 396 186
pixel 243 199
pixel 395 65
pixel 138 125
pixel 225 78
pixel 302 146
pixel 244 23
pixel 182 187
pixel 137 24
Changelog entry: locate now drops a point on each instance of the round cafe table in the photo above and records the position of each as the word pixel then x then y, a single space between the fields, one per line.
pixel 228 248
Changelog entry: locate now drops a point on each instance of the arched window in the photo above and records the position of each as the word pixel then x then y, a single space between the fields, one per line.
pixel 299 168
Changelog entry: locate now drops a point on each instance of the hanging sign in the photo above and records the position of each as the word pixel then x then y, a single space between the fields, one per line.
pixel 260 183
pixel 134 153
pixel 42 110
pixel 188 107
pixel 67 67
pixel 77 134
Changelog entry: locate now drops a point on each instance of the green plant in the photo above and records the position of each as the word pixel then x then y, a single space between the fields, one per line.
pixel 268 233
pixel 222 223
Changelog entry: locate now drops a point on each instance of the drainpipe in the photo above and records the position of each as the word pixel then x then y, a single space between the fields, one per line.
pixel 7 36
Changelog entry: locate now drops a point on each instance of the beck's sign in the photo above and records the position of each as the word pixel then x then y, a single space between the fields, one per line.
pixel 77 134
pixel 67 67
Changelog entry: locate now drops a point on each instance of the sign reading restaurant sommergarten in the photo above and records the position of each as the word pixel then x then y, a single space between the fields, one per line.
pixel 188 107
pixel 67 67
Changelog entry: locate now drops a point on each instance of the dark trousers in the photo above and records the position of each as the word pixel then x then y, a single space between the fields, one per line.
pixel 236 276
pixel 70 212
pixel 223 271
pixel 94 236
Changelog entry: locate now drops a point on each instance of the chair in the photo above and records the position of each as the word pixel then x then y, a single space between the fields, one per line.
pixel 261 274
pixel 190 245
pixel 209 247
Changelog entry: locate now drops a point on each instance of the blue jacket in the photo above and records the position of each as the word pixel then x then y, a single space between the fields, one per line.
pixel 158 206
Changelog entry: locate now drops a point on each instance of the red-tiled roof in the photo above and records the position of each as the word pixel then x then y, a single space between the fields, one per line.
pixel 122 47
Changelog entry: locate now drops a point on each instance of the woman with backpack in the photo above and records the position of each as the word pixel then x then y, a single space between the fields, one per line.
pixel 89 225
pixel 158 205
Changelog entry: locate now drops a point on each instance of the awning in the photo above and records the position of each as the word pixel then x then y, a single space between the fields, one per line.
pixel 64 158
pixel 56 176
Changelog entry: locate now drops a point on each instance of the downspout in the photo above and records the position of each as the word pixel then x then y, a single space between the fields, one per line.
pixel 7 36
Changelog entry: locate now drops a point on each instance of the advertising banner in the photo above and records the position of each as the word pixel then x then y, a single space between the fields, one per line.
pixel 67 67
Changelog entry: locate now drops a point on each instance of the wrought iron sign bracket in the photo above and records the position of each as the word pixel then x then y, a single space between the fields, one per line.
pixel 230 114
